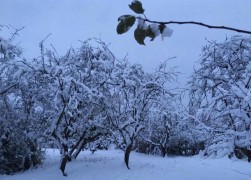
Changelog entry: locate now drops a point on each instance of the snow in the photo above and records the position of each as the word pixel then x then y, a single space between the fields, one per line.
pixel 7 50
pixel 142 24
pixel 109 165
pixel 155 29
pixel 167 32
pixel 72 23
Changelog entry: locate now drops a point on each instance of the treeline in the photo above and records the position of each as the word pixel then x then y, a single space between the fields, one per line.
pixel 88 98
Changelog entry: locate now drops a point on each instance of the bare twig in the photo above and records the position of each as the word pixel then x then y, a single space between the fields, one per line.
pixel 41 45
pixel 3 26
pixel 15 33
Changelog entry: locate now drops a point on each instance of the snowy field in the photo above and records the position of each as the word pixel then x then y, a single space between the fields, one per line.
pixel 108 165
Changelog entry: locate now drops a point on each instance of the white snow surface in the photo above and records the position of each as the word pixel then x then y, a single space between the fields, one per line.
pixel 108 165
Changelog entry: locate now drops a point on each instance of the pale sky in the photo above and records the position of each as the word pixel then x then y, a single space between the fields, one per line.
pixel 73 20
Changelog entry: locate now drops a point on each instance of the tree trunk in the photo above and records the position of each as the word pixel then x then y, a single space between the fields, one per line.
pixel 241 152
pixel 163 151
pixel 75 155
pixel 127 154
pixel 63 164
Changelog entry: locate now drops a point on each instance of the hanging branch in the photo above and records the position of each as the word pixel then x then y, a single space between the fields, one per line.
pixel 152 29
pixel 196 23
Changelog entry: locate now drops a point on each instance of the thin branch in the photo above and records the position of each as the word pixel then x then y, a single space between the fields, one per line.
pixel 197 23
pixel 41 45
pixel 3 26
pixel 25 63
pixel 45 38
pixel 15 33
pixel 7 89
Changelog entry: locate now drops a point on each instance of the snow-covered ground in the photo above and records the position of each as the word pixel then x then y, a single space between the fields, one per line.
pixel 108 165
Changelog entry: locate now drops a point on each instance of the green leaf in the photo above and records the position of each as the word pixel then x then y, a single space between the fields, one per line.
pixel 136 6
pixel 162 27
pixel 126 22
pixel 150 34
pixel 140 35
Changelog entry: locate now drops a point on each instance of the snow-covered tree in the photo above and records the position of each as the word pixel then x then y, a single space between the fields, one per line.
pixel 19 148
pixel 71 97
pixel 157 131
pixel 8 50
pixel 220 97
pixel 159 125
pixel 134 94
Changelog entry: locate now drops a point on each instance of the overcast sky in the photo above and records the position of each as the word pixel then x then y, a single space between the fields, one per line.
pixel 73 20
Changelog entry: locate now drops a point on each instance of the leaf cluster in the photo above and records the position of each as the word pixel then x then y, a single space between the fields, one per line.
pixel 142 30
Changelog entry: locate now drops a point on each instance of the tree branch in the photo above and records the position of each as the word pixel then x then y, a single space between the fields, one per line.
pixel 196 23
pixel 7 89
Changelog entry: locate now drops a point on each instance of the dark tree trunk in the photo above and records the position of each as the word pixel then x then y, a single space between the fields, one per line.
pixel 82 143
pixel 163 151
pixel 75 155
pixel 127 154
pixel 63 164
pixel 241 152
